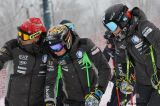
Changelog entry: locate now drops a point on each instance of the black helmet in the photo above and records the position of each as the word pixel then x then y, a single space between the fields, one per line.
pixel 65 21
pixel 68 23
pixel 118 14
pixel 59 34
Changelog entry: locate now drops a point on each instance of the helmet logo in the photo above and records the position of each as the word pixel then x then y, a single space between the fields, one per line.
pixel 124 18
pixel 113 14
pixel 57 30
pixel 120 16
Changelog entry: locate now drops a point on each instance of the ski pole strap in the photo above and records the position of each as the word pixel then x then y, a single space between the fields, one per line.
pixel 59 76
pixel 152 58
pixel 87 63
pixel 128 64
pixel 155 71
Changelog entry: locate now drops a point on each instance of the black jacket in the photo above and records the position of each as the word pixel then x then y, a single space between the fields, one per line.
pixel 26 84
pixel 74 73
pixel 141 36
pixel 119 56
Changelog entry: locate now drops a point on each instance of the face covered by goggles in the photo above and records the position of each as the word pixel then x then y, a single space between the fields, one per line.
pixel 25 36
pixel 56 47
pixel 112 27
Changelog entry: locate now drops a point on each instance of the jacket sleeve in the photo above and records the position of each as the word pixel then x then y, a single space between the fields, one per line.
pixel 108 53
pixel 6 52
pixel 101 64
pixel 152 34
pixel 50 85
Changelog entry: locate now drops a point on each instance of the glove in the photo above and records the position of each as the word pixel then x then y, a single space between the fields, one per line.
pixel 50 103
pixel 126 87
pixel 93 98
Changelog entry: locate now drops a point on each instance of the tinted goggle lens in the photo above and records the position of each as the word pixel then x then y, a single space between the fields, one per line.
pixel 25 36
pixel 112 26
pixel 56 47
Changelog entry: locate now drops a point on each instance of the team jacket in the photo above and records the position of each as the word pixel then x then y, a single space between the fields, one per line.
pixel 120 57
pixel 145 35
pixel 26 84
pixel 74 76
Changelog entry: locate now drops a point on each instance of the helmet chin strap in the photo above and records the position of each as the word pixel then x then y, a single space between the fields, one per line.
pixel 122 34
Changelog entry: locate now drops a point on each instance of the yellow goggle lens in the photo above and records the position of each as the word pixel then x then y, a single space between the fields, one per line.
pixel 25 37
pixel 19 33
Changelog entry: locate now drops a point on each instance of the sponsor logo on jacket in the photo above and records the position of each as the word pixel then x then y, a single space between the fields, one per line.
pixel 137 41
pixel 79 54
pixel 95 50
pixel 44 58
pixel 146 31
pixel 23 57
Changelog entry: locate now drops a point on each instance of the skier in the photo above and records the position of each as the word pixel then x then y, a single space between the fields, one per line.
pixel 121 75
pixel 109 50
pixel 61 94
pixel 141 39
pixel 26 84
pixel 73 61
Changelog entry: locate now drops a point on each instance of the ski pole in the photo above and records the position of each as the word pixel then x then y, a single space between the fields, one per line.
pixel 117 92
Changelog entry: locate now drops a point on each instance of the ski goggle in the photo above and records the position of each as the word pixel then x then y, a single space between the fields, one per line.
pixel 71 26
pixel 25 36
pixel 112 26
pixel 56 47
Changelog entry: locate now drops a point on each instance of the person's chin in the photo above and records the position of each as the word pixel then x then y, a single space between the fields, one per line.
pixel 59 54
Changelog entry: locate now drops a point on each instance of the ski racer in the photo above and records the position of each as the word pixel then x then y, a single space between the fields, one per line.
pixel 79 64
pixel 26 84
pixel 141 39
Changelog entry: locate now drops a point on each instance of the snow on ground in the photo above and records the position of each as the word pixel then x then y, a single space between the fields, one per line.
pixel 107 94
pixel 2 102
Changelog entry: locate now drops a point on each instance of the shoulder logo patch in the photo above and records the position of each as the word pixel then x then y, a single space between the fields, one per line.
pixel 79 54
pixel 147 31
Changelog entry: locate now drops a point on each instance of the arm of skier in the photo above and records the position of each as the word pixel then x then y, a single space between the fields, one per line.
pixel 6 52
pixel 101 64
pixel 50 85
pixel 152 34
